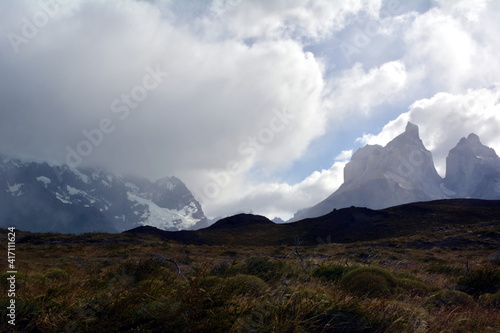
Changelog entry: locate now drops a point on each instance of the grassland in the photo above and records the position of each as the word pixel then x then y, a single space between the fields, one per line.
pixel 142 283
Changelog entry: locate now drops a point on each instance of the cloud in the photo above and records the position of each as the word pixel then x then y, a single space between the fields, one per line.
pixel 244 88
pixel 451 47
pixel 278 199
pixel 216 94
pixel 78 87
pixel 311 20
pixel 359 91
pixel 344 155
pixel 445 118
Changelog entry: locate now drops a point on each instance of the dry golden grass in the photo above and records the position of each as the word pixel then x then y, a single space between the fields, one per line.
pixel 119 283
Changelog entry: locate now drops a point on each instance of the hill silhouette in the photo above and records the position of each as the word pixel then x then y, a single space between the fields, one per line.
pixel 345 225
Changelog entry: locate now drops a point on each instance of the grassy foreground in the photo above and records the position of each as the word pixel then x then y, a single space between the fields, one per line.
pixel 139 283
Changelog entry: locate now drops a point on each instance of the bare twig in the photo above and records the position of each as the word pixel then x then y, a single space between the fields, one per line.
pixel 284 290
pixel 179 272
pixel 296 251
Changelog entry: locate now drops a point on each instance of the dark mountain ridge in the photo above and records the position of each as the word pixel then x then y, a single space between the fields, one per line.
pixel 241 220
pixel 345 225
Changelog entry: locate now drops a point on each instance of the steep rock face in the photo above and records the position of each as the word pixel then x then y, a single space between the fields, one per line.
pixel 378 177
pixel 473 170
pixel 41 197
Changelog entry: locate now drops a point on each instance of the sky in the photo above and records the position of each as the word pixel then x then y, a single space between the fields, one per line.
pixel 255 105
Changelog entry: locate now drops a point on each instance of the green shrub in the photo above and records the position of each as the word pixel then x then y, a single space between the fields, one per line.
pixel 211 283
pixel 264 268
pixel 447 297
pixel 332 272
pixel 413 286
pixel 222 269
pixel 56 274
pixel 444 270
pixel 371 281
pixel 491 299
pixel 37 279
pixel 347 318
pixel 146 269
pixel 245 284
pixel 152 287
pixel 481 281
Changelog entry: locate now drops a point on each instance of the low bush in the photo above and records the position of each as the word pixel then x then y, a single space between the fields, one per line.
pixel 444 270
pixel 348 317
pixel 56 274
pixel 37 278
pixel 492 300
pixel 222 269
pixel 370 281
pixel 447 297
pixel 413 286
pixel 332 272
pixel 245 284
pixel 264 268
pixel 480 281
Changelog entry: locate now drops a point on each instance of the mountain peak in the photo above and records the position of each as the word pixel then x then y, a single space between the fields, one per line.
pixel 412 129
pixel 409 137
pixel 473 169
pixel 471 140
pixel 474 146
pixel 411 132
pixel 473 137
pixel 377 177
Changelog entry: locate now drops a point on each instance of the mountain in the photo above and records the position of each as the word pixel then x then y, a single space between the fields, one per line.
pixel 241 221
pixel 378 177
pixel 473 170
pixel 40 197
pixel 353 224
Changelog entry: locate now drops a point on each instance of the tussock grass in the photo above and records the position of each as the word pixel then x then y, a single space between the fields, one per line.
pixel 118 283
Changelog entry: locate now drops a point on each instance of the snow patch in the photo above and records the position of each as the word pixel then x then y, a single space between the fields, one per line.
pixel 15 189
pixel 163 218
pixel 74 191
pixel 132 186
pixel 62 198
pixel 42 179
pixel 84 178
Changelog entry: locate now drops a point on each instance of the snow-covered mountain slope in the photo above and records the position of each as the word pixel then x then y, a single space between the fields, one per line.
pixel 473 170
pixel 378 177
pixel 37 196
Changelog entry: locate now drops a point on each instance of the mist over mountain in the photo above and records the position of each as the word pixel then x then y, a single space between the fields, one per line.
pixel 473 170
pixel 41 197
pixel 403 171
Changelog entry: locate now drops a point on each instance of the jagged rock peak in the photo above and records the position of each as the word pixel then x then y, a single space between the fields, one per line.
pixel 378 177
pixel 412 129
pixel 409 136
pixel 473 138
pixel 473 170
pixel 475 147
